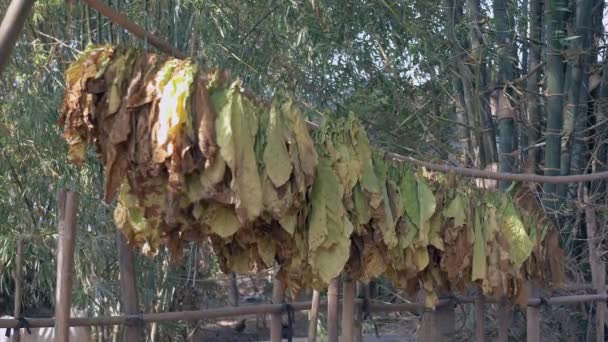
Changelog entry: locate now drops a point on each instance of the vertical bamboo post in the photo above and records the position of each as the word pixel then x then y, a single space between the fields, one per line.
pixel 532 317
pixel 128 287
pixel 348 309
pixel 68 209
pixel 598 268
pixel 233 290
pixel 332 310
pixel 437 325
pixel 480 334
pixel 504 321
pixel 314 316
pixel 358 330
pixel 276 326
pixel 17 277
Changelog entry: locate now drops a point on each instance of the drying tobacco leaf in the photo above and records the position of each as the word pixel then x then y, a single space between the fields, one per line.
pixel 193 157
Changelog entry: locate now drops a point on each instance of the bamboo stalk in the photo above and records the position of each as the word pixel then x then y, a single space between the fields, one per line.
pixel 332 310
pixel 138 31
pixel 128 287
pixel 314 316
pixel 554 94
pixel 598 268
pixel 18 278
pixel 532 317
pixel 252 311
pixel 276 326
pixel 361 294
pixel 12 24
pixel 68 209
pixel 504 322
pixel 534 63
pixel 480 335
pixel 348 309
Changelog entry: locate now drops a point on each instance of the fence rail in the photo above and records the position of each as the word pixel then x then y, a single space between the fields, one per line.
pixel 253 310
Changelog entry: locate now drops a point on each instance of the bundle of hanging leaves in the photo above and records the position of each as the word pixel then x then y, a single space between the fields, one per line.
pixel 191 157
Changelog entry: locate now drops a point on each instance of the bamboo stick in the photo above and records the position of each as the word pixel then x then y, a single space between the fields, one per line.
pixel 12 24
pixel 128 288
pixel 124 22
pixel 68 209
pixel 476 173
pixel 598 268
pixel 532 317
pixel 276 326
pixel 18 278
pixel 332 310
pixel 254 310
pixel 480 335
pixel 348 309
pixel 504 322
pixel 361 295
pixel 314 316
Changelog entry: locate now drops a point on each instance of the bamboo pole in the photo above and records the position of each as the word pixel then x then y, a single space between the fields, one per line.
pixel 276 326
pixel 124 22
pixel 532 317
pixel 348 309
pixel 332 310
pixel 485 174
pixel 438 324
pixel 361 295
pixel 254 310
pixel 598 268
pixel 18 278
pixel 12 24
pixel 504 322
pixel 68 209
pixel 314 316
pixel 480 334
pixel 128 287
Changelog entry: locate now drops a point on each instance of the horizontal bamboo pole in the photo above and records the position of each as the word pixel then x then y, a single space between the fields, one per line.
pixel 276 308
pixel 124 22
pixel 477 173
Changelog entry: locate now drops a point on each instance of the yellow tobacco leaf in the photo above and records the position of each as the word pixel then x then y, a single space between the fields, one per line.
pixel 329 262
pixel 276 157
pixel 456 210
pixel 435 238
pixel 421 258
pixel 479 250
pixel 288 222
pixel 427 204
pixel 173 117
pixel 409 194
pixel 267 251
pixel 362 209
pixel 515 233
pixel 223 221
pixel 306 150
pixel 236 127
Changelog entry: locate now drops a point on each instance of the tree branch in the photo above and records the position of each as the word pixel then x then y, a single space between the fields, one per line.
pixel 124 22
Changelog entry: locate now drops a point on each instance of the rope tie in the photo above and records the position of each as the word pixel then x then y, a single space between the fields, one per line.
pixel 134 320
pixel 21 323
pixel 543 302
pixel 287 330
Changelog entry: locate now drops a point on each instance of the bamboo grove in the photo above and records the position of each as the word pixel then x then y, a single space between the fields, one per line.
pixel 192 157
pixel 464 82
